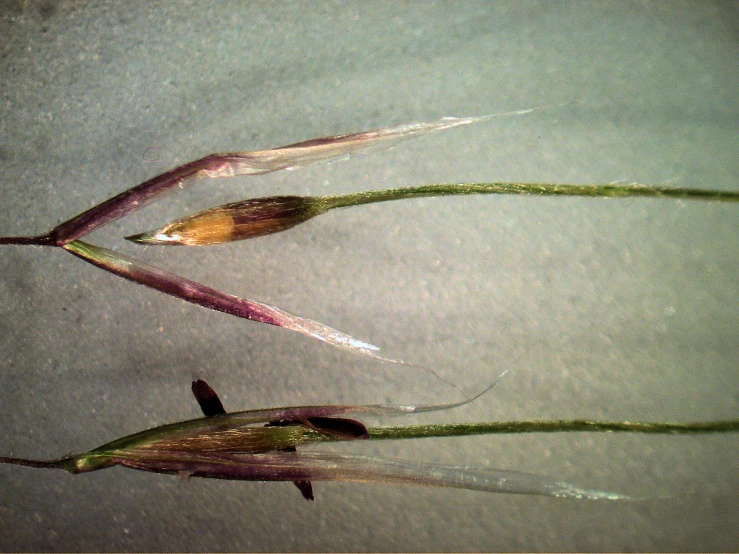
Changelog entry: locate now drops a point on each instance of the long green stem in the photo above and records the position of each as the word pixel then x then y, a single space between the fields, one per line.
pixel 540 189
pixel 507 427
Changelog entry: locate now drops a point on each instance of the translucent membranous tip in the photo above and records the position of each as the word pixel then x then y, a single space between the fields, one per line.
pixel 237 221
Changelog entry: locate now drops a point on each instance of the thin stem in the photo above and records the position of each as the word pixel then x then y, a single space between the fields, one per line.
pixel 540 189
pixel 41 240
pixel 577 425
pixel 60 463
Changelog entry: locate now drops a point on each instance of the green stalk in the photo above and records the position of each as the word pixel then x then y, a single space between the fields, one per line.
pixel 539 189
pixel 562 425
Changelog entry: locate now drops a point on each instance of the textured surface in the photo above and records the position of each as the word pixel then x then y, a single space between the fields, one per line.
pixel 628 308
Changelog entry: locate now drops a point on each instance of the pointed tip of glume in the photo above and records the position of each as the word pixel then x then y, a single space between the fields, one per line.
pixel 152 237
pixel 141 238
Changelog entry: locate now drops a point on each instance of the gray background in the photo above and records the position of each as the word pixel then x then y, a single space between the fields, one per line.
pixel 627 309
